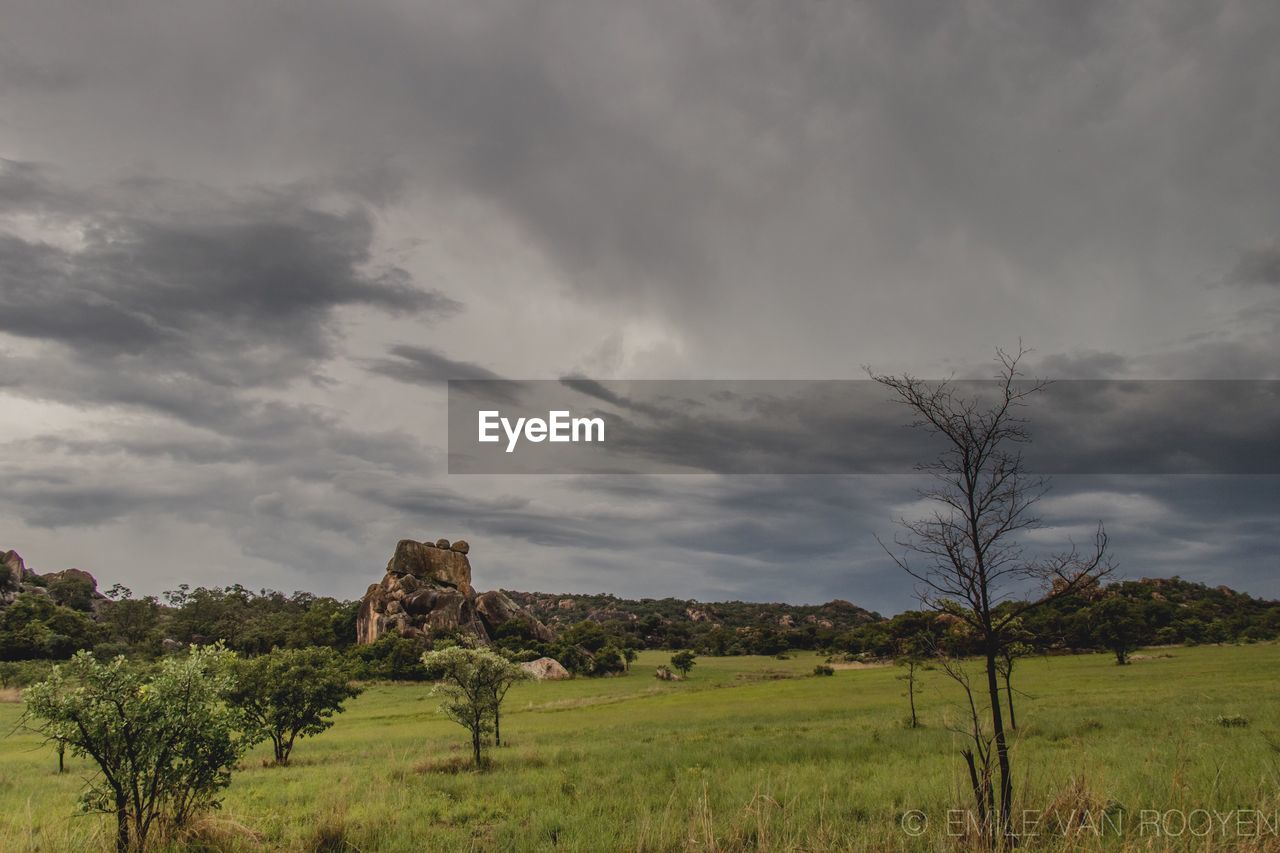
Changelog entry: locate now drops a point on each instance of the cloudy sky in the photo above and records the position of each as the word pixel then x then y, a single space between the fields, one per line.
pixel 242 245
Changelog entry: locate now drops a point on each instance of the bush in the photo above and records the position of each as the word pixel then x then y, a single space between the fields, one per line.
pixel 164 745
pixel 608 661
pixel 824 669
pixel 1233 722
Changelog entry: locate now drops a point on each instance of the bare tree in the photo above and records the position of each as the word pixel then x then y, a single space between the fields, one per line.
pixel 966 554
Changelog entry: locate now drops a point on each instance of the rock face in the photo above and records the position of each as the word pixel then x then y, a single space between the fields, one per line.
pixel 427 592
pixel 495 610
pixel 546 669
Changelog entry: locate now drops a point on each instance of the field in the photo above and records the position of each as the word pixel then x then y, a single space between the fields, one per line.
pixel 749 753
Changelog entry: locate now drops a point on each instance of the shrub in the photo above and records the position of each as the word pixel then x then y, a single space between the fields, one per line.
pixel 824 669
pixel 1233 722
pixel 164 745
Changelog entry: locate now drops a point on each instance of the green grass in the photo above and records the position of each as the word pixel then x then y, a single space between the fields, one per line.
pixel 749 753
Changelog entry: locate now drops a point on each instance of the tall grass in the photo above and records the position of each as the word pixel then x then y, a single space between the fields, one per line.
pixel 748 754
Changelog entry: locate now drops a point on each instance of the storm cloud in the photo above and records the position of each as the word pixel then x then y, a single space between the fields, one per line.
pixel 242 247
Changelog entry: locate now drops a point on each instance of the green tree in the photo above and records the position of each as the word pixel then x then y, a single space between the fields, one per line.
pixel 683 661
pixel 164 746
pixel 132 621
pixel 473 683
pixel 1116 626
pixel 291 693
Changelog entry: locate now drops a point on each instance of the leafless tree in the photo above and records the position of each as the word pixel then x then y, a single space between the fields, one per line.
pixel 966 554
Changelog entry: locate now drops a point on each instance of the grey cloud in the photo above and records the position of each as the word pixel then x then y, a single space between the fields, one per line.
pixel 718 188
pixel 234 292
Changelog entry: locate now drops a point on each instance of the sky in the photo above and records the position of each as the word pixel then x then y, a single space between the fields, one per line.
pixel 243 245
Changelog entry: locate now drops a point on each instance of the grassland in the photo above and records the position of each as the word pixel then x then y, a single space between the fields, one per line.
pixel 749 753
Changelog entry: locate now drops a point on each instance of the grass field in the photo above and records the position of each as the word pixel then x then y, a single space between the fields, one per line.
pixel 749 753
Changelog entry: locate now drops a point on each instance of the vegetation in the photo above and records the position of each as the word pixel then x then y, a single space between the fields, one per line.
pixel 162 745
pixel 290 693
pixel 752 754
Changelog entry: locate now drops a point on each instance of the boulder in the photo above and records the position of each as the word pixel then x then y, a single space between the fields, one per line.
pixel 426 562
pixel 546 669
pixel 461 546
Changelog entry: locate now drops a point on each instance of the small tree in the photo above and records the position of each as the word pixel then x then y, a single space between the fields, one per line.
pixel 683 661
pixel 913 654
pixel 164 746
pixel 291 693
pixel 473 684
pixel 629 656
pixel 500 682
pixel 1009 655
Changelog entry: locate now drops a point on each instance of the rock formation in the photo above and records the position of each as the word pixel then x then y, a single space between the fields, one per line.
pixel 426 592
pixel 16 578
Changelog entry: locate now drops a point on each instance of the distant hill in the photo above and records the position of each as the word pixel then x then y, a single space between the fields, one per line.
pixel 568 608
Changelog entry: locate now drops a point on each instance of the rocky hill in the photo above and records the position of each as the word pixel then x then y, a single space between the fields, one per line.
pixel 16 578
pixel 568 608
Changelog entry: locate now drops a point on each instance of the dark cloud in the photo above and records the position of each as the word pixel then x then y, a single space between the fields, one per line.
pixel 422 365
pixel 1258 267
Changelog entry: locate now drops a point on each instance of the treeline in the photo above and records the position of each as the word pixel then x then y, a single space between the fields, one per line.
pixel 1118 618
pixel 596 634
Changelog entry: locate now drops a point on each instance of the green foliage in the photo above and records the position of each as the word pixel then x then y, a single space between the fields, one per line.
pixel 824 669
pixel 683 661
pixel 474 683
pixel 291 693
pixel 23 673
pixel 608 661
pixel 163 745
pixel 34 626
pixel 390 658
pixel 133 623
